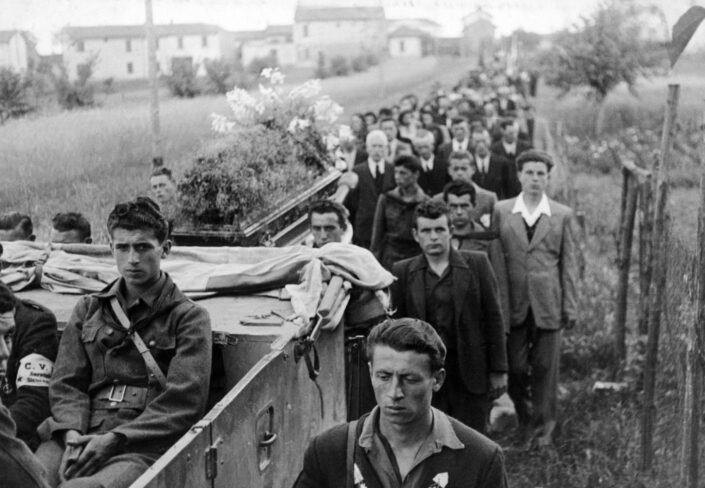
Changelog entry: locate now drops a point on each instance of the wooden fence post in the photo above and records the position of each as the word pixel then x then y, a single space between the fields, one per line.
pixel 626 232
pixel 646 227
pixel 696 333
pixel 658 284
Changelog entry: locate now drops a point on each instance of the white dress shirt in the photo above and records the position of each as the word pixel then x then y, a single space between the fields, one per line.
pixel 531 217
pixel 483 165
pixel 510 148
pixel 374 167
pixel 460 146
pixel 427 164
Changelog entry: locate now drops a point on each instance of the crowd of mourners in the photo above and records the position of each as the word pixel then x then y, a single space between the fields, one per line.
pixel 448 192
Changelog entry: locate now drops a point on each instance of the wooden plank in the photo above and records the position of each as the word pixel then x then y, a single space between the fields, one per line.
pixel 280 385
pixel 183 465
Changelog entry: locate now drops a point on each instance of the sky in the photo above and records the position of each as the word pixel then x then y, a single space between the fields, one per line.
pixel 44 18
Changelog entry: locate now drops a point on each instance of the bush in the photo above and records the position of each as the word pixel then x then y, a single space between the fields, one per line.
pixel 79 93
pixel 219 75
pixel 339 66
pixel 359 63
pixel 13 95
pixel 182 81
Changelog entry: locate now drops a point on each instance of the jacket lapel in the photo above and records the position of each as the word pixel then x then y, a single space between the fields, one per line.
pixel 543 226
pixel 461 282
pixel 517 224
pixel 417 285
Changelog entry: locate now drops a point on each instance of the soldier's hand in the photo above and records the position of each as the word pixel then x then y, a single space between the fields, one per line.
pixel 97 449
pixel 71 452
pixel 498 384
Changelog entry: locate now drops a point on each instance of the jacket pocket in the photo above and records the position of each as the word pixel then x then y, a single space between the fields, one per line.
pixel 89 332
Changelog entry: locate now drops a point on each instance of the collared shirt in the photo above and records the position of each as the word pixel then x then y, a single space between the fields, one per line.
pixel 427 164
pixel 382 457
pixel 141 307
pixel 439 307
pixel 531 217
pixel 460 146
pixel 483 165
pixel 376 167
pixel 510 148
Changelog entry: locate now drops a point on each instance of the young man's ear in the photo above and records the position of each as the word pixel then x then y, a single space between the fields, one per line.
pixel 438 379
pixel 166 248
pixel 88 240
pixel 415 233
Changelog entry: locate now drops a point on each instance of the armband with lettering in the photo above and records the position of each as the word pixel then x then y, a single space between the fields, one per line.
pixel 34 370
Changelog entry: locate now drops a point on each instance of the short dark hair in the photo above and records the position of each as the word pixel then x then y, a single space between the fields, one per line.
pixel 7 298
pixel 329 206
pixel 431 209
pixel 162 171
pixel 410 162
pixel 505 122
pixel 13 220
pixel 68 221
pixel 407 334
pixel 458 120
pixel 371 114
pixel 463 155
pixel 459 188
pixel 141 213
pixel 382 120
pixel 534 156
pixel 385 112
pixel 403 114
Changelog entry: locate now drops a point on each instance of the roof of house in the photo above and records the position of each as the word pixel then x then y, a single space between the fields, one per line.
pixel 279 30
pixel 112 31
pixel 419 20
pixel 406 31
pixel 328 14
pixel 6 35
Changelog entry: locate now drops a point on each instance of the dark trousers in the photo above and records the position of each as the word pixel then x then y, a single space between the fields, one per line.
pixel 455 400
pixel 534 356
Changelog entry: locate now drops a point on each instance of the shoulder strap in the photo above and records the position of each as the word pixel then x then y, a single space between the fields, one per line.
pixel 350 454
pixel 149 360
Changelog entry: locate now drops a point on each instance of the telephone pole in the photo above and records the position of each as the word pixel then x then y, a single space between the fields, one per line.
pixel 157 158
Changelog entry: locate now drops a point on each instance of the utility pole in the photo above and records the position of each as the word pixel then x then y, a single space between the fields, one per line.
pixel 157 158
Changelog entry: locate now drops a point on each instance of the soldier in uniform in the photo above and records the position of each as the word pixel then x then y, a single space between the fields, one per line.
pixel 24 377
pixel 133 370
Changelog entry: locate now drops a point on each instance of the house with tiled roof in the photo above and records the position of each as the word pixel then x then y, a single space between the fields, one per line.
pixel 333 31
pixel 275 42
pixel 17 50
pixel 120 51
pixel 410 42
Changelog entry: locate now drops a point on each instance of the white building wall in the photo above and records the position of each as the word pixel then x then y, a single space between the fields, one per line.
pixel 344 37
pixel 13 54
pixel 405 47
pixel 113 57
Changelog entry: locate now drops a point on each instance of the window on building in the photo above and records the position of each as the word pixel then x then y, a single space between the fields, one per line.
pixel 80 46
pixel 204 41
pixel 305 34
pixel 128 45
pixel 401 46
pixel 180 42
pixel 130 69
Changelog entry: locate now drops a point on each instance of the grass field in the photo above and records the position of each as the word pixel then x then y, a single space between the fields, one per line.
pixel 87 160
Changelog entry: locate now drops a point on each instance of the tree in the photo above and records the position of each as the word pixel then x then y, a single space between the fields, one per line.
pixel 13 95
pixel 610 47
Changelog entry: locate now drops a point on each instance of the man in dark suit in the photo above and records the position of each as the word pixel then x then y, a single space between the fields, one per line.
pixel 396 145
pixel 460 141
pixel 510 146
pixel 456 292
pixel 375 176
pixel 494 172
pixel 539 249
pixel 434 174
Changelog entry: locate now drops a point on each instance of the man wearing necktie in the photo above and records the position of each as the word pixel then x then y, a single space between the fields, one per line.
pixel 494 172
pixel 375 176
pixel 434 174
pixel 536 234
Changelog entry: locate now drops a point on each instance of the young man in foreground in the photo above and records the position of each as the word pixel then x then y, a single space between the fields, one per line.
pixel 403 442
pixel 133 368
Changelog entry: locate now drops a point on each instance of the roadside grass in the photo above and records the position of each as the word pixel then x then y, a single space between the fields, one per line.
pixel 88 160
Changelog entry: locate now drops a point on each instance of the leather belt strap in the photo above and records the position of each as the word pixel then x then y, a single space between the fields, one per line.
pixel 149 360
pixel 120 396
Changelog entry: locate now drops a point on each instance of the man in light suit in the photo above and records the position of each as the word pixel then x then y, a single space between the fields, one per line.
pixel 536 234
pixel 456 292
pixel 375 176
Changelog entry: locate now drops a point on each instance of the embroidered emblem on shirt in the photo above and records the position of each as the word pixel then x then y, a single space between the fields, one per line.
pixel 34 370
pixel 439 481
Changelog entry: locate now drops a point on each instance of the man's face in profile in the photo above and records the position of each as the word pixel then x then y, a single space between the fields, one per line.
pixel 163 188
pixel 325 228
pixel 15 234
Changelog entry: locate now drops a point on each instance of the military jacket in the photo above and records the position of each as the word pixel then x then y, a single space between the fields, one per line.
pixel 96 354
